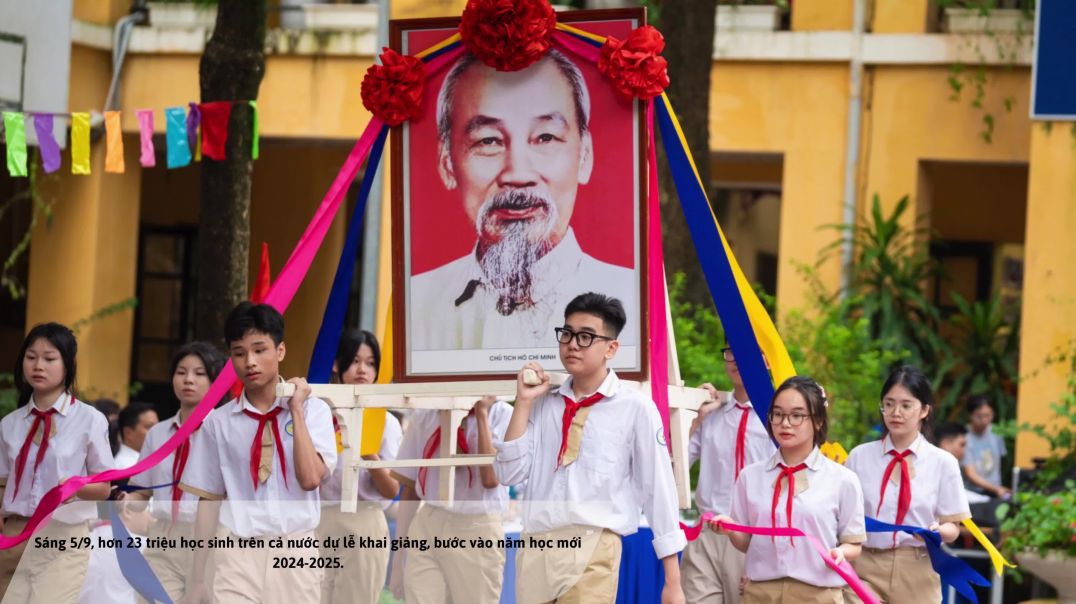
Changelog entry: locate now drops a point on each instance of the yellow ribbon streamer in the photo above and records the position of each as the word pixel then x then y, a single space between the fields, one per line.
pixel 80 143
pixel 995 556
pixel 443 43
pixel 769 340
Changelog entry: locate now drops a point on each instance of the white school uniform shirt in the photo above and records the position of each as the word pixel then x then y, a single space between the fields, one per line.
pixel 827 504
pixel 390 445
pixel 161 474
pixel 937 490
pixel 445 317
pixel 470 496
pixel 125 457
pixel 623 466
pixel 714 443
pixel 78 446
pixel 219 467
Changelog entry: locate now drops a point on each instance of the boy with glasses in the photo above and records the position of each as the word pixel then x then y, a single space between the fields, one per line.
pixel 595 452
pixel 726 437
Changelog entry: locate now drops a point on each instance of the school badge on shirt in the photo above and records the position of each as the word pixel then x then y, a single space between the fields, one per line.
pixel 289 428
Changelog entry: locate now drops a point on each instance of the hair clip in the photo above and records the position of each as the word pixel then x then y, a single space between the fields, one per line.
pixel 825 399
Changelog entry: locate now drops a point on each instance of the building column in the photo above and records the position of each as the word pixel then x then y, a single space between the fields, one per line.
pixel 83 260
pixel 1048 321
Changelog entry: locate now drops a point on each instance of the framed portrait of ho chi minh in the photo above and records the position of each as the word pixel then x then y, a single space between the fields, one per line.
pixel 513 193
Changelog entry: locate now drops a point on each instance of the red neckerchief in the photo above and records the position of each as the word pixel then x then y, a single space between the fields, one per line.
pixel 570 409
pixel 256 446
pixel 791 474
pixel 741 438
pixel 43 419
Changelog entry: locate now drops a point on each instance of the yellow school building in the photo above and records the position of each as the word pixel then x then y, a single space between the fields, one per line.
pixel 780 134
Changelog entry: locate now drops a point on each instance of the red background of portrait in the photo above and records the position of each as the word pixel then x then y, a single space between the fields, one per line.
pixel 605 207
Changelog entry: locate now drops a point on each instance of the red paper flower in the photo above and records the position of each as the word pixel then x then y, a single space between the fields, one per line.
pixel 508 35
pixel 392 91
pixel 635 65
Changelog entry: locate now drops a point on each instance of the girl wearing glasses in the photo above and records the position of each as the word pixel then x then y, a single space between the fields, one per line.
pixel 907 480
pixel 797 487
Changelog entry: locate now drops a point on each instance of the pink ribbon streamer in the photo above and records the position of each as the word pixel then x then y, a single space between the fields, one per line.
pixel 844 569
pixel 659 327
pixel 280 295
pixel 659 332
pixel 145 126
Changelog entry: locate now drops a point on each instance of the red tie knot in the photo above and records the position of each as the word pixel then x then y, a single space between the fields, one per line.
pixel 901 455
pixel 39 413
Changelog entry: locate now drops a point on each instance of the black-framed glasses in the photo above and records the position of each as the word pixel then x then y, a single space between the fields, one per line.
pixel 583 338
pixel 726 353
pixel 794 419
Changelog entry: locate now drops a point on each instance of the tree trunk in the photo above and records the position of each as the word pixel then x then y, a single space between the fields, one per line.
pixel 231 69
pixel 688 27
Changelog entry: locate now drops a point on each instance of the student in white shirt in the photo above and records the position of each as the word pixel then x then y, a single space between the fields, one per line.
pixel 132 424
pixel 906 480
pixel 593 453
pixel 797 487
pixel 272 489
pixel 50 437
pixel 194 367
pixel 104 579
pixel 726 437
pixel 463 574
pixel 361 574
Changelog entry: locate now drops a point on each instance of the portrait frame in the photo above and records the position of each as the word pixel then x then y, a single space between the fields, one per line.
pixel 410 36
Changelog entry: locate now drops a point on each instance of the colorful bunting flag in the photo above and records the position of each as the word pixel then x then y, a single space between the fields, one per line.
pixel 46 142
pixel 80 143
pixel 254 141
pixel 215 118
pixel 114 143
pixel 179 151
pixel 15 135
pixel 194 124
pixel 148 159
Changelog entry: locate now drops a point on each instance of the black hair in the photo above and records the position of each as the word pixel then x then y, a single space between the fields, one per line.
pixel 106 406
pixel 63 339
pixel 350 342
pixel 948 430
pixel 815 396
pixel 918 384
pixel 259 318
pixel 211 357
pixel 128 418
pixel 608 309
pixel 978 400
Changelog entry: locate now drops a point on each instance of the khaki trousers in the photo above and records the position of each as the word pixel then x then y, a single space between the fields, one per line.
pixel 467 575
pixel 248 575
pixel 362 575
pixel 711 569
pixel 898 576
pixel 790 591
pixel 587 574
pixel 44 575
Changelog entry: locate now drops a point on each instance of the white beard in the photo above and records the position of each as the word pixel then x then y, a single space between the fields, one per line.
pixel 507 263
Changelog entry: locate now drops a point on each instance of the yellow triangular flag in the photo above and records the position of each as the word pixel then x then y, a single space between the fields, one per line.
pixel 995 556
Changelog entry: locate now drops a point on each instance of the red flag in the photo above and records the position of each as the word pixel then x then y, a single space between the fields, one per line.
pixel 261 284
pixel 257 295
pixel 215 117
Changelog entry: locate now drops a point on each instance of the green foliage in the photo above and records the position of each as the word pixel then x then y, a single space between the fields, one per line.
pixel 9 396
pixel 699 338
pixel 1042 522
pixel 849 363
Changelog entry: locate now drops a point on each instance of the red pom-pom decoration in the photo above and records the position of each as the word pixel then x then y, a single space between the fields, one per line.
pixel 392 91
pixel 635 65
pixel 508 35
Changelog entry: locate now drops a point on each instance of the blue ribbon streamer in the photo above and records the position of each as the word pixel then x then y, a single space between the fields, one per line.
pixel 131 488
pixel 952 570
pixel 717 268
pixel 133 564
pixel 332 322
